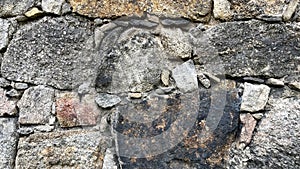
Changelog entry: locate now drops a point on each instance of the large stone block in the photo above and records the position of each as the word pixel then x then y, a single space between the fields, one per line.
pixel 195 10
pixel 71 149
pixel 250 48
pixel 52 51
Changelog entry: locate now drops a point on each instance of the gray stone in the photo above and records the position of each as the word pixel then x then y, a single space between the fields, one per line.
pixel 25 130
pixel 4 82
pixel 84 88
pixel 7 105
pixel 107 100
pixel 270 18
pixel 53 6
pixel 66 8
pixel 69 149
pixel 8 142
pixel 4 30
pixel 222 10
pixel 176 43
pixel 14 7
pixel 129 65
pixel 254 97
pixel 174 22
pixel 203 80
pixel 20 86
pixel 109 160
pixel 275 82
pixel 35 105
pixel 185 77
pixel 13 93
pixel 275 143
pixel 52 51
pixel 290 10
pixel 295 85
pixel 247 48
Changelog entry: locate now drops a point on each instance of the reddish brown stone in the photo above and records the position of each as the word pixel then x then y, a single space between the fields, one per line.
pixel 73 111
pixel 249 124
pixel 7 106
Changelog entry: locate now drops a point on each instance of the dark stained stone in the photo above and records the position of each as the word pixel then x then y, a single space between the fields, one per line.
pixel 151 133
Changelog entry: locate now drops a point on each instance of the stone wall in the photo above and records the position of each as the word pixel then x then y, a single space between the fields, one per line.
pixel 148 84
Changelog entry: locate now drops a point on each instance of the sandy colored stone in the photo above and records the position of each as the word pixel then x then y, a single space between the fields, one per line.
pixel 290 10
pixel 69 149
pixel 222 10
pixel 196 10
pixel 34 12
pixel 73 110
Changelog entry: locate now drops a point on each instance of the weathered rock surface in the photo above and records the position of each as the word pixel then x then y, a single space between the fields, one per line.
pixel 222 10
pixel 7 105
pixel 185 77
pixel 133 64
pixel 255 97
pixel 14 7
pixel 52 51
pixel 71 149
pixel 20 86
pixel 106 100
pixel 4 82
pixel 275 144
pixel 249 124
pixel 52 6
pixel 250 48
pixel 8 142
pixel 162 122
pixel 198 10
pixel 4 30
pixel 35 106
pixel 74 110
pixel 244 9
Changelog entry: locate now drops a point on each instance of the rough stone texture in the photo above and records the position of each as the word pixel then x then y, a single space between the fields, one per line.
pixel 51 51
pixel 8 142
pixel 254 97
pixel 71 149
pixel 195 10
pixel 275 144
pixel 203 80
pixel 165 77
pixel 4 30
pixel 20 86
pixel 74 110
pixel 185 77
pixel 250 48
pixel 35 106
pixel 14 7
pixel 290 10
pixel 162 123
pixel 109 160
pixel 52 6
pixel 222 10
pixel 176 43
pixel 7 105
pixel 295 85
pixel 249 124
pixel 133 63
pixel 13 93
pixel 275 82
pixel 4 82
pixel 244 9
pixel 106 100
